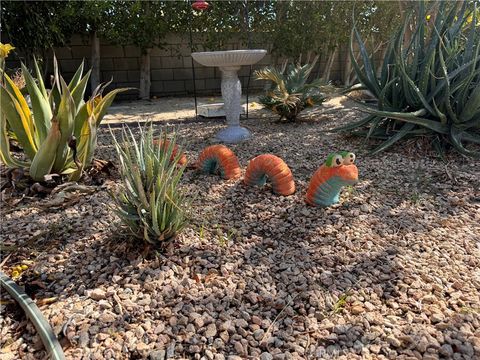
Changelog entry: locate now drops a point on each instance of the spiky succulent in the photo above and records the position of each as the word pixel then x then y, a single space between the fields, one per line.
pixel 58 132
pixel 150 201
pixel 429 86
pixel 290 93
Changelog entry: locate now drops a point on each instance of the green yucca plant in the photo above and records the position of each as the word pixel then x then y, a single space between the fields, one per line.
pixel 58 131
pixel 150 202
pixel 289 93
pixel 427 87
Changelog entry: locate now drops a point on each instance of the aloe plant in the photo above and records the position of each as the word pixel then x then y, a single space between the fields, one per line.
pixel 58 131
pixel 427 87
pixel 150 202
pixel 290 93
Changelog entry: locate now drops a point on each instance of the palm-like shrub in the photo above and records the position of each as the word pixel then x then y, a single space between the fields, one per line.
pixel 289 93
pixel 427 87
pixel 58 132
pixel 150 202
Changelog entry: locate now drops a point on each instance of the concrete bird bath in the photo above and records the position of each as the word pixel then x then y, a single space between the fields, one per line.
pixel 229 63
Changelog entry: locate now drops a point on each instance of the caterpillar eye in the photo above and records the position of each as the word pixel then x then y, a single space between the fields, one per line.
pixel 349 159
pixel 337 160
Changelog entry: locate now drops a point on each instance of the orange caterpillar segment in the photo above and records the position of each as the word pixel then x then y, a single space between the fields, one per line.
pixel 271 167
pixel 326 183
pixel 219 159
pixel 164 144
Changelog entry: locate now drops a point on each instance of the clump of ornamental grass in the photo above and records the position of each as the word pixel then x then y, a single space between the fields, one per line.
pixel 150 201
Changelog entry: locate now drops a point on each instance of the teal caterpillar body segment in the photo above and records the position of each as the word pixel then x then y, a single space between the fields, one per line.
pixel 328 193
pixel 219 159
pixel 327 182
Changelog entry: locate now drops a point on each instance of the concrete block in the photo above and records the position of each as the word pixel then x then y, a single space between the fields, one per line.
pixel 155 62
pixel 182 74
pixel 63 53
pixel 133 75
pixel 187 62
pixel 126 63
pixel 132 51
pixel 106 64
pixel 156 88
pixel 118 76
pixel 204 72
pixel 69 65
pixel 175 86
pixel 112 51
pixel 171 62
pixel 81 52
pixel 162 74
pixel 212 84
pixel 156 51
pixel 67 76
pixel 199 85
pixel 244 71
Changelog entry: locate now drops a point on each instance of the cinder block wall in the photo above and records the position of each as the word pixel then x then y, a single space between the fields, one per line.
pixel 171 67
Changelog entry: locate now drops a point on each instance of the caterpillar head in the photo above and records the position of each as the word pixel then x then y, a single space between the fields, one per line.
pixel 334 160
pixel 342 164
pixel 348 157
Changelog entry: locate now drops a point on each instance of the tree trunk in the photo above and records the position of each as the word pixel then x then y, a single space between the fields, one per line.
pixel 145 75
pixel 329 64
pixel 95 75
pixel 347 69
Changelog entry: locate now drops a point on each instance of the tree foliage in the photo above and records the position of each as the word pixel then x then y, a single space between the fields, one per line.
pixel 291 27
pixel 140 23
pixel 36 26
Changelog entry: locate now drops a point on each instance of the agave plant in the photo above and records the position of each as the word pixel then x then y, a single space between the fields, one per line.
pixel 427 87
pixel 289 93
pixel 150 202
pixel 58 132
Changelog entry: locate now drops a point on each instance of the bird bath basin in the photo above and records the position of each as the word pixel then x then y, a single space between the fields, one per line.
pixel 229 62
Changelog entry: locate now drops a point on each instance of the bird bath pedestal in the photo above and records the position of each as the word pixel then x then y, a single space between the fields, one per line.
pixel 229 63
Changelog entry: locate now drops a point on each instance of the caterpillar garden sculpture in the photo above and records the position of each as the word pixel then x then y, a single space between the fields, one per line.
pixel 338 171
pixel 268 166
pixel 219 159
pixel 164 143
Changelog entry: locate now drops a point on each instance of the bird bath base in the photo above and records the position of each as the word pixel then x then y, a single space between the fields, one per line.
pixel 230 63
pixel 233 134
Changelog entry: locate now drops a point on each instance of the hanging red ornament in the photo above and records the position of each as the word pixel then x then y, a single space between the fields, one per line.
pixel 200 5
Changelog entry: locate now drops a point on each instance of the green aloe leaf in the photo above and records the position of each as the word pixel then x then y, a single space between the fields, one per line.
pixel 413 118
pixel 406 128
pixel 65 116
pixel 78 91
pixel 42 113
pixel 76 78
pixel 456 139
pixel 5 155
pixel 18 122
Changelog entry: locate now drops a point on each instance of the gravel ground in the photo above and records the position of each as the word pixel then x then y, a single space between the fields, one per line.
pixel 392 272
